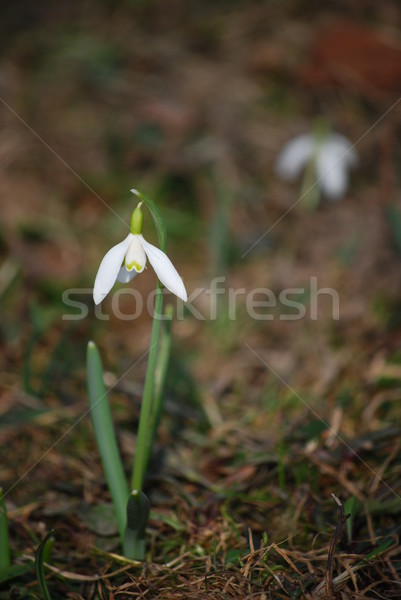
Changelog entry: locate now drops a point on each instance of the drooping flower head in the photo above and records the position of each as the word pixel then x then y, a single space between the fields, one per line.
pixel 128 258
pixel 330 155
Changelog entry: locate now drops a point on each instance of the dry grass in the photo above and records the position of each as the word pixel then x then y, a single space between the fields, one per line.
pixel 264 420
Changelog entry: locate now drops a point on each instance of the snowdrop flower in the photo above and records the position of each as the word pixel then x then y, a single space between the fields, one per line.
pixel 331 156
pixel 128 258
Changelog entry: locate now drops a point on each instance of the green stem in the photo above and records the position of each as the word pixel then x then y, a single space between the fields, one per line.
pixel 160 377
pixel 145 426
pixel 134 545
pixel 310 190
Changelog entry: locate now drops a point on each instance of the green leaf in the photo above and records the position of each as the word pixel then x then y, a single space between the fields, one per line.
pixel 378 551
pixel 105 436
pixel 350 508
pixel 41 556
pixel 4 540
pixel 14 571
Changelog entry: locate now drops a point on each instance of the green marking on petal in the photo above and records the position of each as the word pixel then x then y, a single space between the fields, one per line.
pixel 134 265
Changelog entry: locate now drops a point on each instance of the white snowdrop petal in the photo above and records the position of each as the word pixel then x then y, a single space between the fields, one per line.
pixel 294 156
pixel 165 270
pixel 343 148
pixel 336 140
pixel 332 172
pixel 109 269
pixel 125 276
pixel 135 259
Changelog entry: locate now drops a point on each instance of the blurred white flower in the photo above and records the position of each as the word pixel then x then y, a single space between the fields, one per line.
pixel 128 258
pixel 331 156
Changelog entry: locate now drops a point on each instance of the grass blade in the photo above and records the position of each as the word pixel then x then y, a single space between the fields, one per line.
pixel 105 436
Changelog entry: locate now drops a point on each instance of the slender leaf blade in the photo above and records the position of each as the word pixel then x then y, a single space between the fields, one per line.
pixel 105 436
pixel 41 554
pixel 14 572
pixel 4 539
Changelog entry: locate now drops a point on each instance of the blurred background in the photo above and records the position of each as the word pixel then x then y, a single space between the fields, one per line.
pixel 191 102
